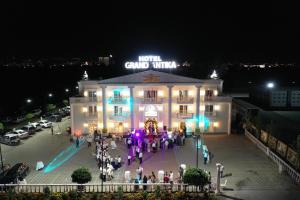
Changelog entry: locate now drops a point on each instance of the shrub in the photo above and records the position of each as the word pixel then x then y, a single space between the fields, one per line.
pixel 73 195
pixel 65 196
pixel 50 107
pixel 196 176
pixel 119 194
pixel 169 129
pixel 29 116
pixel 65 102
pixel 197 131
pixel 157 192
pixel 55 196
pixel 47 191
pixel 104 130
pixel 81 176
pixel 1 126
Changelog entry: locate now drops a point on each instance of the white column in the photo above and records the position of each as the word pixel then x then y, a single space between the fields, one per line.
pixel 197 105
pixel 218 178
pixel 131 104
pixel 229 119
pixel 170 106
pixel 104 106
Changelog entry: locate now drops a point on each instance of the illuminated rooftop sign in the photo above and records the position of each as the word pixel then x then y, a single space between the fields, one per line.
pixel 145 62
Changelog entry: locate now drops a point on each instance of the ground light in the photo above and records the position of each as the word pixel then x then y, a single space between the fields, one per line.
pixel 62 157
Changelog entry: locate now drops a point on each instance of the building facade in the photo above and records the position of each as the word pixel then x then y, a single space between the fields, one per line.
pixel 166 100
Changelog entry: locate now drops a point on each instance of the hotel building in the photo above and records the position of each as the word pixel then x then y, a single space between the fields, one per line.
pixel 132 101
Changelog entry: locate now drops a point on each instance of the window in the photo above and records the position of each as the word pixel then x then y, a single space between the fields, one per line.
pixel 209 94
pixel 183 94
pixel 150 94
pixel 209 108
pixel 118 110
pixel 92 110
pixel 92 94
pixel 117 94
pixel 183 109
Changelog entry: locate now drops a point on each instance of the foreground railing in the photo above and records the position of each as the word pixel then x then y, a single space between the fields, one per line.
pixel 281 163
pixel 107 187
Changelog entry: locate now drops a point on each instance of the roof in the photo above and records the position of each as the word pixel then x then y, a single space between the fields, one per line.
pixel 151 76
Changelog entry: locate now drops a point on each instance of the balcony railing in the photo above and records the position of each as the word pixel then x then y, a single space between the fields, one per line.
pixel 210 114
pixel 185 100
pixel 185 115
pixel 151 100
pixel 119 100
pixel 91 115
pixel 84 99
pixel 119 116
pixel 218 99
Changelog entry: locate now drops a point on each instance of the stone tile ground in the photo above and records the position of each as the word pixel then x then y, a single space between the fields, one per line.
pixel 254 176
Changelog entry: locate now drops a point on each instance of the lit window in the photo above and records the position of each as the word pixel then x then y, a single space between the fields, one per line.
pixel 84 109
pixel 217 107
pixel 216 124
pixel 85 125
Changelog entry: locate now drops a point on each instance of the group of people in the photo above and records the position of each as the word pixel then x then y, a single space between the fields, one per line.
pixel 106 163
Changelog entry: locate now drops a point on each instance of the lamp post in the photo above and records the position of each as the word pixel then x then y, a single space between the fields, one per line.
pixel 102 166
pixel 197 137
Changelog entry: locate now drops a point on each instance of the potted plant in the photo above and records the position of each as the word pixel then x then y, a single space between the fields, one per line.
pixel 81 176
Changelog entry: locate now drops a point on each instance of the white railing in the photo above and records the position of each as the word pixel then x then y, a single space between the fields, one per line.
pixel 107 187
pixel 281 163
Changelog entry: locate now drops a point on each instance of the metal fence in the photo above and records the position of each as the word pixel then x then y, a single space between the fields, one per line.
pixel 281 163
pixel 107 187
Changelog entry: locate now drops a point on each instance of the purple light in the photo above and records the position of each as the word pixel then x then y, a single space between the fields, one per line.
pixel 137 134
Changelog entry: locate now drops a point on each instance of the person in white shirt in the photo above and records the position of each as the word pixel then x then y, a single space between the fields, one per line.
pixel 119 161
pixel 171 177
pixel 141 157
pixel 166 144
pixel 129 159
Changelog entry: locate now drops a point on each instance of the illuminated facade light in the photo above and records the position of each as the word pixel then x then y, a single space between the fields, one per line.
pixel 141 93
pixel 85 93
pixel 216 92
pixel 201 124
pixel 85 125
pixel 216 124
pixel 202 108
pixel 126 125
pixel 99 93
pixel 141 125
pixel 159 108
pixel 191 93
pixel 141 108
pixel 125 93
pixel 176 93
pixel 216 107
pixel 202 92
pixel 160 93
pixel 175 124
pixel 84 109
pixel 111 125
pixel 160 124
pixel 110 93
pixel 126 108
pixel 100 125
pixel 99 108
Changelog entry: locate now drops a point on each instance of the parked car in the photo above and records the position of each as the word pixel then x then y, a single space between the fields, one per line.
pixel 10 139
pixel 37 126
pixel 37 112
pixel 11 175
pixel 45 124
pixel 19 119
pixel 29 128
pixel 21 133
pixel 55 118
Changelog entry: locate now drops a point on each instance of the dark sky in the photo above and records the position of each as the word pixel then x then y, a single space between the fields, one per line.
pixel 224 31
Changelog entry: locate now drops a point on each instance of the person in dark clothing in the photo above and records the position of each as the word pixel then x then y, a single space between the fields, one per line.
pixel 77 142
pixel 145 179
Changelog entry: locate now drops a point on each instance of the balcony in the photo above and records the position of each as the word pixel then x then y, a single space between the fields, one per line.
pixel 185 100
pixel 84 99
pixel 91 116
pixel 210 114
pixel 119 116
pixel 185 115
pixel 151 100
pixel 218 99
pixel 119 100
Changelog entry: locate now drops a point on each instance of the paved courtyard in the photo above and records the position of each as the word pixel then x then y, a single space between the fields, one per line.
pixel 254 176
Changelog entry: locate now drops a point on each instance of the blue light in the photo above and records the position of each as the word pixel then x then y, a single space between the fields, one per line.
pixel 62 157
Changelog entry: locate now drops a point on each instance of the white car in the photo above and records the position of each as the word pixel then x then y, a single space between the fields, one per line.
pixel 21 133
pixel 37 126
pixel 45 124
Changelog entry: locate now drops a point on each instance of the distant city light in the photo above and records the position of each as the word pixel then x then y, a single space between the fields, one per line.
pixel 50 95
pixel 270 85
pixel 77 87
pixel 67 90
pixel 28 100
pixel 110 55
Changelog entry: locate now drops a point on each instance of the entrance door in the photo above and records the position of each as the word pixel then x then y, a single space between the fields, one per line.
pixel 151 126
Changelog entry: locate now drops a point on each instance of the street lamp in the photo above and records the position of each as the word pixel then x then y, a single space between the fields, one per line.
pixel 67 90
pixel 270 85
pixel 28 100
pixel 50 95
pixel 77 87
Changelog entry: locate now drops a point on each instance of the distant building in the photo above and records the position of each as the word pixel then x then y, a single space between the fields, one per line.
pixel 276 98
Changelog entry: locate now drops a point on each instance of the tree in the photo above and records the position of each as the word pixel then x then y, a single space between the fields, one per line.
pixel 196 176
pixel 50 107
pixel 29 116
pixel 1 126
pixel 298 144
pixel 81 176
pixel 66 102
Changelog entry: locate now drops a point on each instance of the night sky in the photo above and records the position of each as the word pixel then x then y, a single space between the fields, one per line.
pixel 227 31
